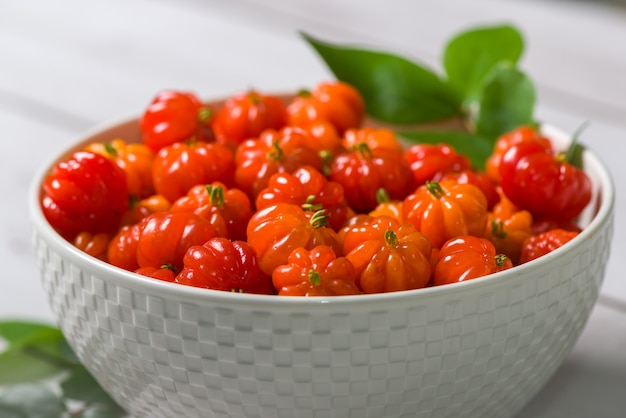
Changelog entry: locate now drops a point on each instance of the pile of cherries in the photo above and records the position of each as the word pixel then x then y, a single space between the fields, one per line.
pixel 297 196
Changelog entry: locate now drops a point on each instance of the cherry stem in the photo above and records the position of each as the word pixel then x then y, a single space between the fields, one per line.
pixel 327 158
pixel 133 200
pixel 435 189
pixel 168 266
pixel 319 219
pixel 574 147
pixel 497 229
pixel 382 196
pixel 216 195
pixel 315 278
pixel 204 114
pixel 363 149
pixel 276 153
pixel 391 238
pixel 110 149
pixel 310 204
pixel 304 93
pixel 501 259
pixel 254 97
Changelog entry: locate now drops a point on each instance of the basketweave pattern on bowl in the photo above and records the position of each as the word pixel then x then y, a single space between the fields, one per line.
pixel 483 352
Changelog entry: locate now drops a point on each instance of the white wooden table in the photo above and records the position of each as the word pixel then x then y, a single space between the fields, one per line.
pixel 69 64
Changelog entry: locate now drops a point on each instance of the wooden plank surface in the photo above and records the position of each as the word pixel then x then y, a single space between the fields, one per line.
pixel 68 65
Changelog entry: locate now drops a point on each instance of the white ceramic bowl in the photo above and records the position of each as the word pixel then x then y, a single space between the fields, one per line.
pixel 481 348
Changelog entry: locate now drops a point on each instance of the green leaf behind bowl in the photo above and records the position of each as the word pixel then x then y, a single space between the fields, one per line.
pixel 395 89
pixel 472 54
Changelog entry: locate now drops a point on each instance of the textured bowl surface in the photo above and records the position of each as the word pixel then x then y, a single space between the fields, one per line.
pixel 481 348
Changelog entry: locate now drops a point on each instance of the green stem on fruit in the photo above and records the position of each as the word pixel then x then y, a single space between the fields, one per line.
pixel 363 149
pixel 304 93
pixel 382 196
pixel 327 159
pixel 391 238
pixel 574 152
pixel 133 200
pixel 216 196
pixel 435 189
pixel 276 153
pixel 310 204
pixel 110 149
pixel 315 278
pixel 254 97
pixel 204 114
pixel 319 219
pixel 501 259
pixel 497 229
pixel 168 266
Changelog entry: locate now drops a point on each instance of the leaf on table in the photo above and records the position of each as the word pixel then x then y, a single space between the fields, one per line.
pixel 471 55
pixel 40 340
pixel 81 386
pixel 395 89
pixel 8 411
pixel 67 354
pixel 102 411
pixel 475 147
pixel 18 366
pixel 35 351
pixel 16 331
pixel 52 347
pixel 32 401
pixel 507 101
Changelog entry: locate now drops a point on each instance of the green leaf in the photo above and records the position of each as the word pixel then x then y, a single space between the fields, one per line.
pixel 54 348
pixel 39 340
pixel 507 101
pixel 67 353
pixel 15 331
pixel 8 411
pixel 395 89
pixel 18 367
pixel 35 351
pixel 472 54
pixel 103 411
pixel 475 147
pixel 575 150
pixel 81 386
pixel 32 401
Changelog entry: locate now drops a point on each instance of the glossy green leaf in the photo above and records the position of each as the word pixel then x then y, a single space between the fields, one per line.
pixel 32 401
pixel 475 147
pixel 54 349
pixel 35 351
pixel 17 366
pixel 103 411
pixel 15 331
pixel 67 354
pixel 472 54
pixel 48 345
pixel 575 155
pixel 575 150
pixel 395 89
pixel 8 411
pixel 81 386
pixel 507 101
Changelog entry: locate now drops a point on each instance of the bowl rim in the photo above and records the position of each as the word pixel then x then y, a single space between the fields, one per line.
pixel 124 278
